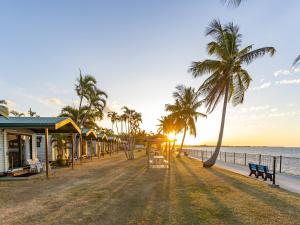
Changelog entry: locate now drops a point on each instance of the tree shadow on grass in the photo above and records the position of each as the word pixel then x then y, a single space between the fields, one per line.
pixel 222 212
pixel 260 195
pixel 91 202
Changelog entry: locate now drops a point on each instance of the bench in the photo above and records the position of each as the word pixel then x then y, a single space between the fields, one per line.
pixel 268 174
pixel 260 171
pixel 252 168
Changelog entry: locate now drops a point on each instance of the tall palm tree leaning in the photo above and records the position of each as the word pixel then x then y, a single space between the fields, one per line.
pixel 227 77
pixel 184 110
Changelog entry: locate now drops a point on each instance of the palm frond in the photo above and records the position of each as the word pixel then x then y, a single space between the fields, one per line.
pixel 251 56
pixel 296 61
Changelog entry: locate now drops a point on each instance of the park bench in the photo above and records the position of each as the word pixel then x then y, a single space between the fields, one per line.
pixel 260 170
pixel 252 168
pixel 268 173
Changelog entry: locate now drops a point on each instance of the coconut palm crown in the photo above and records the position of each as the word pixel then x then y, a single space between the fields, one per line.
pixel 228 80
pixel 185 110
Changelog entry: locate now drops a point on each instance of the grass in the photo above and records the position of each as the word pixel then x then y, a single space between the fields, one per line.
pixel 116 191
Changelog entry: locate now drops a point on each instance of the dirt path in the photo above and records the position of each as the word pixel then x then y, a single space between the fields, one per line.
pixel 116 191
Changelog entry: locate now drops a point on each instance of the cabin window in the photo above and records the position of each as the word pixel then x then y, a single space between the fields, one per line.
pixel 38 141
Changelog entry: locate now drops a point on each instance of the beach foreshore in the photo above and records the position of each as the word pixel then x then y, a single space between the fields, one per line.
pixel 285 181
pixel 114 190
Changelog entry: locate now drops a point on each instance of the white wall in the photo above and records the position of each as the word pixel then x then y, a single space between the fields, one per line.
pixel 3 146
pixel 3 157
pixel 41 150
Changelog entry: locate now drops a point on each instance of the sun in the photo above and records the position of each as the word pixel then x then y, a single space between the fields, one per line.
pixel 171 136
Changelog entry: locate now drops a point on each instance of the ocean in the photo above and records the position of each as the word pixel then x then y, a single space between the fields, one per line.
pixel 273 151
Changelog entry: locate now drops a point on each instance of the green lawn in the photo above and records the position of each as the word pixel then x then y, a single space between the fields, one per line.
pixel 116 191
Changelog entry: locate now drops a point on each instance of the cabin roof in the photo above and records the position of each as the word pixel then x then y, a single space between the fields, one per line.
pixel 88 132
pixel 111 138
pixel 39 124
pixel 102 136
pixel 157 138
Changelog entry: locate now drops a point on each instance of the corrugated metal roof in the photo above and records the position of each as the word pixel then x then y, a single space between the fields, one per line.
pixel 32 121
pixel 38 124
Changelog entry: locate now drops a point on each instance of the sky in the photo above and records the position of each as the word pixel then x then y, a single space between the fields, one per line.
pixel 139 50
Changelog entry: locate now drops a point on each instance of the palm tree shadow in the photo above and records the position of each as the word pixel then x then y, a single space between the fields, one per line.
pixel 225 213
pixel 258 194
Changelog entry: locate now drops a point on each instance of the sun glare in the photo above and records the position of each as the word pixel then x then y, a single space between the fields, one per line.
pixel 171 136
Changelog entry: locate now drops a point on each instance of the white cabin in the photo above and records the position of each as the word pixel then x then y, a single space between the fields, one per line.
pixel 16 147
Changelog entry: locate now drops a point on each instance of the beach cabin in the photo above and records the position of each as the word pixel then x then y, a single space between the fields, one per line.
pixel 89 138
pixel 111 144
pixel 100 145
pixel 18 140
pixel 54 151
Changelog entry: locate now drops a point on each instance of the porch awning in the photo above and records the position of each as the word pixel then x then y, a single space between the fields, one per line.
pixel 88 132
pixel 157 138
pixel 39 124
pixel 102 137
pixel 111 138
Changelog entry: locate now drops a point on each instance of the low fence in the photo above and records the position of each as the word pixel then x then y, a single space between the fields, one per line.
pixel 289 165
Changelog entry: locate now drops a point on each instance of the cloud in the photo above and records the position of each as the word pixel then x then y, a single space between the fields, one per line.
pixel 285 114
pixel 55 101
pixel 263 86
pixel 274 110
pixel 11 104
pixel 255 109
pixel 113 106
pixel 284 72
pixel 292 81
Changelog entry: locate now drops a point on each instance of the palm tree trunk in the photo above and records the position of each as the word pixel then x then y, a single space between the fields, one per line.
pixel 87 113
pixel 212 160
pixel 184 133
pixel 79 108
pixel 117 127
pixel 125 126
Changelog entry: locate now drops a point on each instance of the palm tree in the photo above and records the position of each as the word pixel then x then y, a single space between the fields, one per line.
pixel 136 120
pixel 123 119
pixel 118 119
pixel 3 109
pixel 16 114
pixel 184 110
pixel 32 113
pixel 59 142
pixel 166 125
pixel 69 111
pixel 126 117
pixel 84 86
pixel 113 118
pixel 227 77
pixel 97 102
